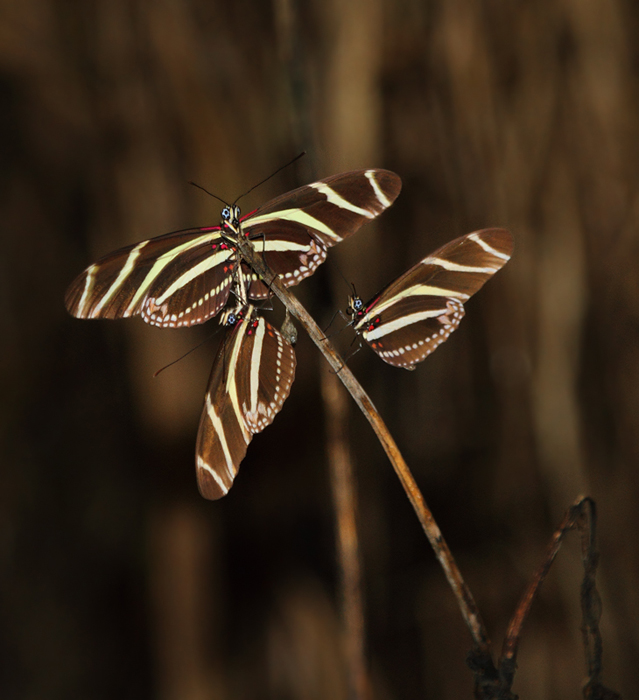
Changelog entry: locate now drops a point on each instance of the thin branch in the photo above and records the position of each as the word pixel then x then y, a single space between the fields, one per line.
pixel 581 516
pixel 461 591
pixel 511 641
pixel 591 606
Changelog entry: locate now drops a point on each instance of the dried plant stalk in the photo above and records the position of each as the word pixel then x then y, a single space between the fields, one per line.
pixel 461 591
pixel 343 487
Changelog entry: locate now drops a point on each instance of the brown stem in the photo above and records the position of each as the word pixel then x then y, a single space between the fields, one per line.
pixel 581 515
pixel 461 591
pixel 345 506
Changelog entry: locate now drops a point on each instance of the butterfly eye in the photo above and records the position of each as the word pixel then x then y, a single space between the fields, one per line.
pixel 236 215
pixel 357 304
pixel 226 213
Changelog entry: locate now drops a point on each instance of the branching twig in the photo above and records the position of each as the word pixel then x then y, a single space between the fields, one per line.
pixel 511 641
pixel 582 516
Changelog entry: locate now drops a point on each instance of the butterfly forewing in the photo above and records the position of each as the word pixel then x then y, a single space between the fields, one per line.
pixel 458 269
pixel 294 230
pixel 156 278
pixel 250 380
pixel 418 311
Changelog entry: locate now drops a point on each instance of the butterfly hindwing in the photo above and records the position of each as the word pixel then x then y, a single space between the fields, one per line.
pixel 408 331
pixel 270 362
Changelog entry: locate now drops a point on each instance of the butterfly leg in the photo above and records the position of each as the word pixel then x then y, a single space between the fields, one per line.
pixel 345 318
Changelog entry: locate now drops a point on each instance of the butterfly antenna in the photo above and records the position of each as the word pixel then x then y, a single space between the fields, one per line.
pixel 207 192
pixel 348 284
pixel 199 345
pixel 297 157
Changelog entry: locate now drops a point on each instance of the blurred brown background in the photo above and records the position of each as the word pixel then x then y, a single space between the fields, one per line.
pixel 116 578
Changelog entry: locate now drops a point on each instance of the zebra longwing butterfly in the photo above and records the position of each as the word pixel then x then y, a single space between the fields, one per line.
pixel 417 312
pixel 184 278
pixel 250 380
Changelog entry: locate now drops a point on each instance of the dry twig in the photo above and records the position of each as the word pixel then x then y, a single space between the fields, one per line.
pixel 461 591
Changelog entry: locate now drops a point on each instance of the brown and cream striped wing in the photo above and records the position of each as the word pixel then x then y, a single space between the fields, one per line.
pixel 178 279
pixel 250 380
pixel 294 231
pixel 418 311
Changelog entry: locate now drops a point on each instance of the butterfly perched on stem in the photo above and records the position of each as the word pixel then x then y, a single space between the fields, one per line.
pixel 250 380
pixel 185 277
pixel 410 317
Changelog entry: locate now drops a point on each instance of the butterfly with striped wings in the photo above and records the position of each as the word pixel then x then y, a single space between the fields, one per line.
pixel 410 317
pixel 184 278
pixel 250 380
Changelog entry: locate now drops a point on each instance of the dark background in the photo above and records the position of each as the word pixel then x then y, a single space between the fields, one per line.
pixel 116 578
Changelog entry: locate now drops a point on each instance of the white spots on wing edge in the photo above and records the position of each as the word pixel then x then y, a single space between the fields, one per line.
pixel 184 318
pixel 450 321
pixel 262 414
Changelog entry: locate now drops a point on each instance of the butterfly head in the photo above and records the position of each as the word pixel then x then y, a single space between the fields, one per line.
pixel 355 306
pixel 231 317
pixel 231 218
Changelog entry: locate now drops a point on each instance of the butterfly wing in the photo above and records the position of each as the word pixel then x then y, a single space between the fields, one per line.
pixel 294 231
pixel 459 268
pixel 263 388
pixel 183 278
pixel 250 380
pixel 418 311
pixel 408 331
pixel 178 279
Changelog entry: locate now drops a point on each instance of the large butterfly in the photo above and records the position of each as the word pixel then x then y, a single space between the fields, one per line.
pixel 417 312
pixel 185 278
pixel 250 380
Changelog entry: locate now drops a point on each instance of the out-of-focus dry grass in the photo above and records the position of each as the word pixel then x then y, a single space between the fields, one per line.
pixel 116 579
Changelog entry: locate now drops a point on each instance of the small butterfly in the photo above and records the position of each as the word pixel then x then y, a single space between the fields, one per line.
pixel 410 317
